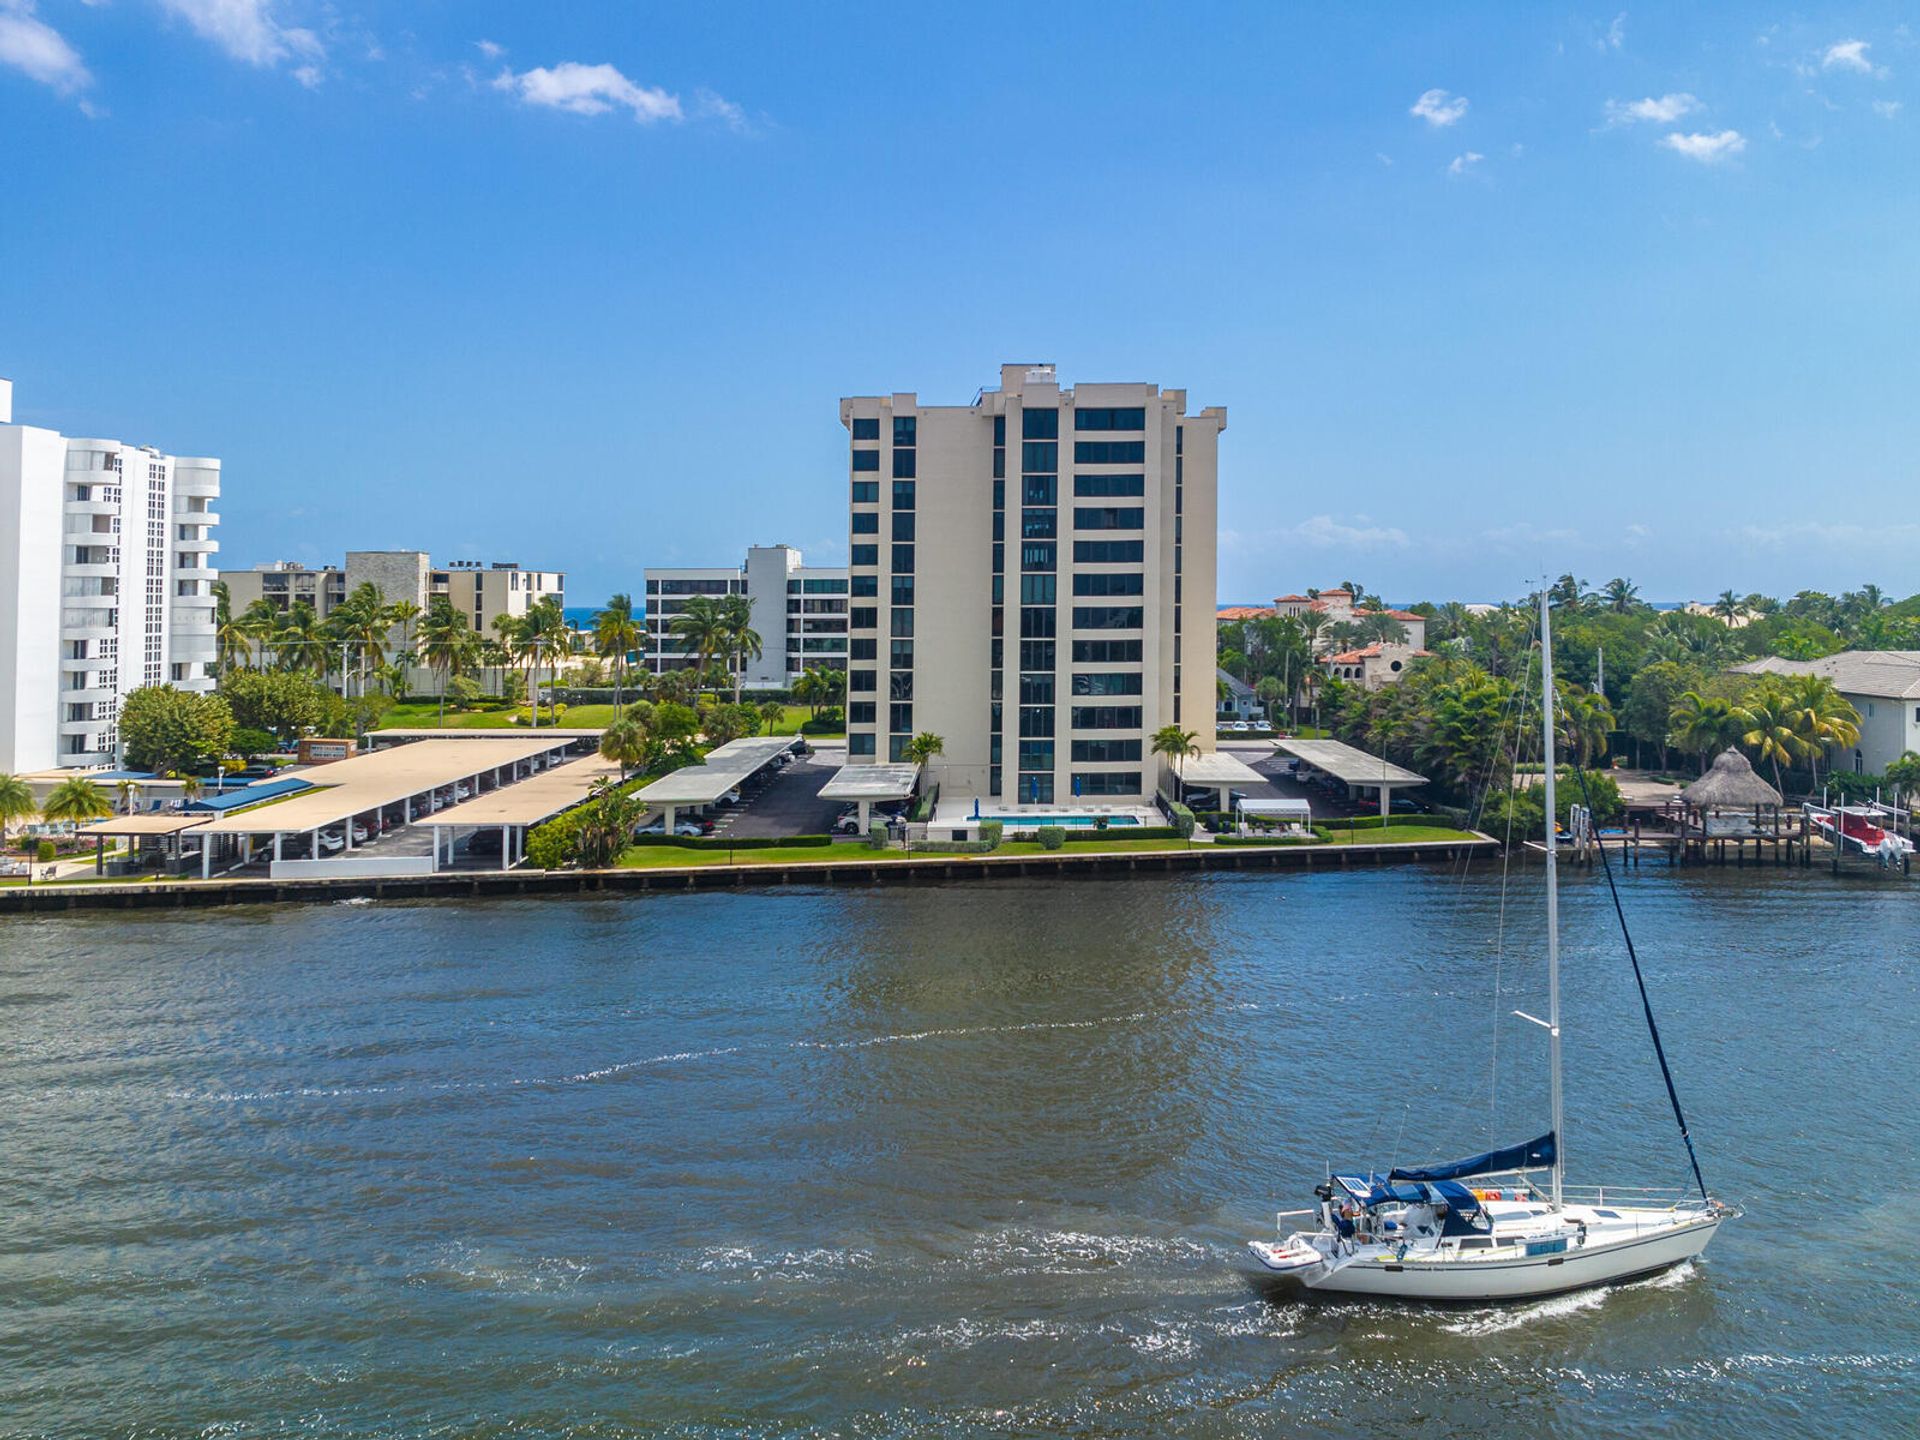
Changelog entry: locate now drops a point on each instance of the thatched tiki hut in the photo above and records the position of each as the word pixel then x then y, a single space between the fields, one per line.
pixel 1731 801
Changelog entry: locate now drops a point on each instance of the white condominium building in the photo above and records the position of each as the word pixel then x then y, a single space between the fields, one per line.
pixel 105 587
pixel 1033 582
pixel 480 591
pixel 799 613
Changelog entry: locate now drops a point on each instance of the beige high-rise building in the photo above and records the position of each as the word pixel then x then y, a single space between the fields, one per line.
pixel 1032 580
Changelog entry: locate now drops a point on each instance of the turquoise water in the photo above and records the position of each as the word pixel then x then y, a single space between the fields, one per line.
pixel 932 1160
pixel 1029 821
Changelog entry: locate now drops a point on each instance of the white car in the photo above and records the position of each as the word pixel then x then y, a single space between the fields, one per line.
pixel 1241 727
pixel 359 833
pixel 331 842
pixel 681 827
pixel 461 792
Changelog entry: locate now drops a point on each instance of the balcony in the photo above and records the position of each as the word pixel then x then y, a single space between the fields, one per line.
pixel 197 482
pixel 91 693
pixel 92 507
pixel 204 545
pixel 195 517
pixel 91 569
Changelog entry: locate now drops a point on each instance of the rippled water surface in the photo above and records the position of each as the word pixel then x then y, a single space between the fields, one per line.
pixel 931 1161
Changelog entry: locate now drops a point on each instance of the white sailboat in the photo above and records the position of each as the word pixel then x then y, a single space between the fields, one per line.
pixel 1484 1228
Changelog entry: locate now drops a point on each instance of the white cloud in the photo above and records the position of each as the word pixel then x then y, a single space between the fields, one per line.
pixel 1886 109
pixel 589 90
pixel 1708 149
pixel 489 49
pixel 1662 111
pixel 39 51
pixel 709 106
pixel 1850 55
pixel 1616 35
pixel 1439 108
pixel 250 31
pixel 1463 163
pixel 1325 533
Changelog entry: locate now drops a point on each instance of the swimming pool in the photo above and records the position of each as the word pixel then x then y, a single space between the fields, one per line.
pixel 1026 821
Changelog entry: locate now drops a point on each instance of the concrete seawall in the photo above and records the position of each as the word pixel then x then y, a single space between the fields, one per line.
pixel 181 895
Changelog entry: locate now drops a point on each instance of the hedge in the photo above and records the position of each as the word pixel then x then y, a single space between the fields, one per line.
pixel 1267 840
pixel 955 847
pixel 1373 822
pixel 745 842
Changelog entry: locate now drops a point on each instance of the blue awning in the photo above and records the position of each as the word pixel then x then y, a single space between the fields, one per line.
pixel 1533 1155
pixel 233 799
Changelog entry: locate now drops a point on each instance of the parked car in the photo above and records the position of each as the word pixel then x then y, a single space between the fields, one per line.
pixel 360 833
pixel 331 842
pixel 689 828
pixel 484 842
pixel 461 792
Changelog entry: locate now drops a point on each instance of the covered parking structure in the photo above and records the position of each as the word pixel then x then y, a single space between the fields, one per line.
pixel 390 787
pixel 1216 770
pixel 163 831
pixel 694 787
pixel 1353 768
pixel 870 785
pixel 517 809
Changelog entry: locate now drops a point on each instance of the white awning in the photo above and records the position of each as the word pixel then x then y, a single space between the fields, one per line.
pixel 871 782
pixel 1277 809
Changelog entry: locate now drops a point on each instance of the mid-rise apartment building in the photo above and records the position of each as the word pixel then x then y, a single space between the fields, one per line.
pixel 105 586
pixel 1032 580
pixel 799 613
pixel 480 591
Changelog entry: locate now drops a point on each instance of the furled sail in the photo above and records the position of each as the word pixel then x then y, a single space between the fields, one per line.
pixel 1534 1155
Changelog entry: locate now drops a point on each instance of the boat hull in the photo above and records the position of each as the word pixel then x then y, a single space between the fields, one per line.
pixel 1519 1278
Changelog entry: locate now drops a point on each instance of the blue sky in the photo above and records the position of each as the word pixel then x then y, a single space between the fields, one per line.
pixel 1516 289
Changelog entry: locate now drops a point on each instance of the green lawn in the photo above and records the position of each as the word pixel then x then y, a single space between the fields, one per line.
pixel 1392 835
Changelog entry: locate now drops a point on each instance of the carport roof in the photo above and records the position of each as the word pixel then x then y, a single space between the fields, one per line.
pixel 871 782
pixel 1349 765
pixel 1219 768
pixel 724 768
pixel 1281 807
pixel 533 799
pixel 383 777
pixel 147 824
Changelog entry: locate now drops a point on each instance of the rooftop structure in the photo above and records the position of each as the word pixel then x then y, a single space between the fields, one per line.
pixel 1353 768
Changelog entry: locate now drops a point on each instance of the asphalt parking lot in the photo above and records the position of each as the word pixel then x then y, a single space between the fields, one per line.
pixel 789 803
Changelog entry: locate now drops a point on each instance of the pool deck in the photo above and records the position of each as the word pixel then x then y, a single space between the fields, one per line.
pixel 938 869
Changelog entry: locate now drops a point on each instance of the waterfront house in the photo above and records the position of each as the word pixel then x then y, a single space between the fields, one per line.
pixel 1883 685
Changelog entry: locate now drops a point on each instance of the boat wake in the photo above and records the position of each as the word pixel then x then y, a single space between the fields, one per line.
pixel 1496 1322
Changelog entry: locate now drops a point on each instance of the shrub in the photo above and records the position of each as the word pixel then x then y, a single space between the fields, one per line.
pixel 250 741
pixel 744 842
pixel 990 832
pixel 876 837
pixel 1052 837
pixel 45 851
pixel 1182 819
pixel 954 847
pixel 1267 840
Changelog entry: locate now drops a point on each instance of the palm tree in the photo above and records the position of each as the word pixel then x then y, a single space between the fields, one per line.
pixel 924 746
pixel 546 634
pixel 627 742
pixel 446 643
pixel 1176 744
pixel 299 641
pixel 77 799
pixel 364 621
pixel 129 791
pixel 257 623
pixel 510 637
pixel 1620 596
pixel 1728 607
pixel 616 634
pixel 232 641
pixel 1375 625
pixel 1823 717
pixel 1774 729
pixel 1706 726
pixel 1586 719
pixel 16 802
pixel 772 712
pixel 810 688
pixel 742 640
pixel 702 626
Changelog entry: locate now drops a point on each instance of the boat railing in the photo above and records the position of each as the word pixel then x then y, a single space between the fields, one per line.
pixel 1669 1197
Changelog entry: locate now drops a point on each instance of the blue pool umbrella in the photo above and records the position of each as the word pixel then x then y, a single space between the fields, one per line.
pixel 976 807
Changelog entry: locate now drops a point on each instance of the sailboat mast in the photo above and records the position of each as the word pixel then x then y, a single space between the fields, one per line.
pixel 1547 753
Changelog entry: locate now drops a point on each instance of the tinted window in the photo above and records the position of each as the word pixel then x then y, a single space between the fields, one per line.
pixel 866 522
pixel 864 555
pixel 866 460
pixel 1101 486
pixel 1123 418
pixel 1039 424
pixel 1109 452
pixel 1109 517
pixel 867 429
pixel 903 463
pixel 866 492
pixel 1106 617
pixel 1109 552
pixel 1129 583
